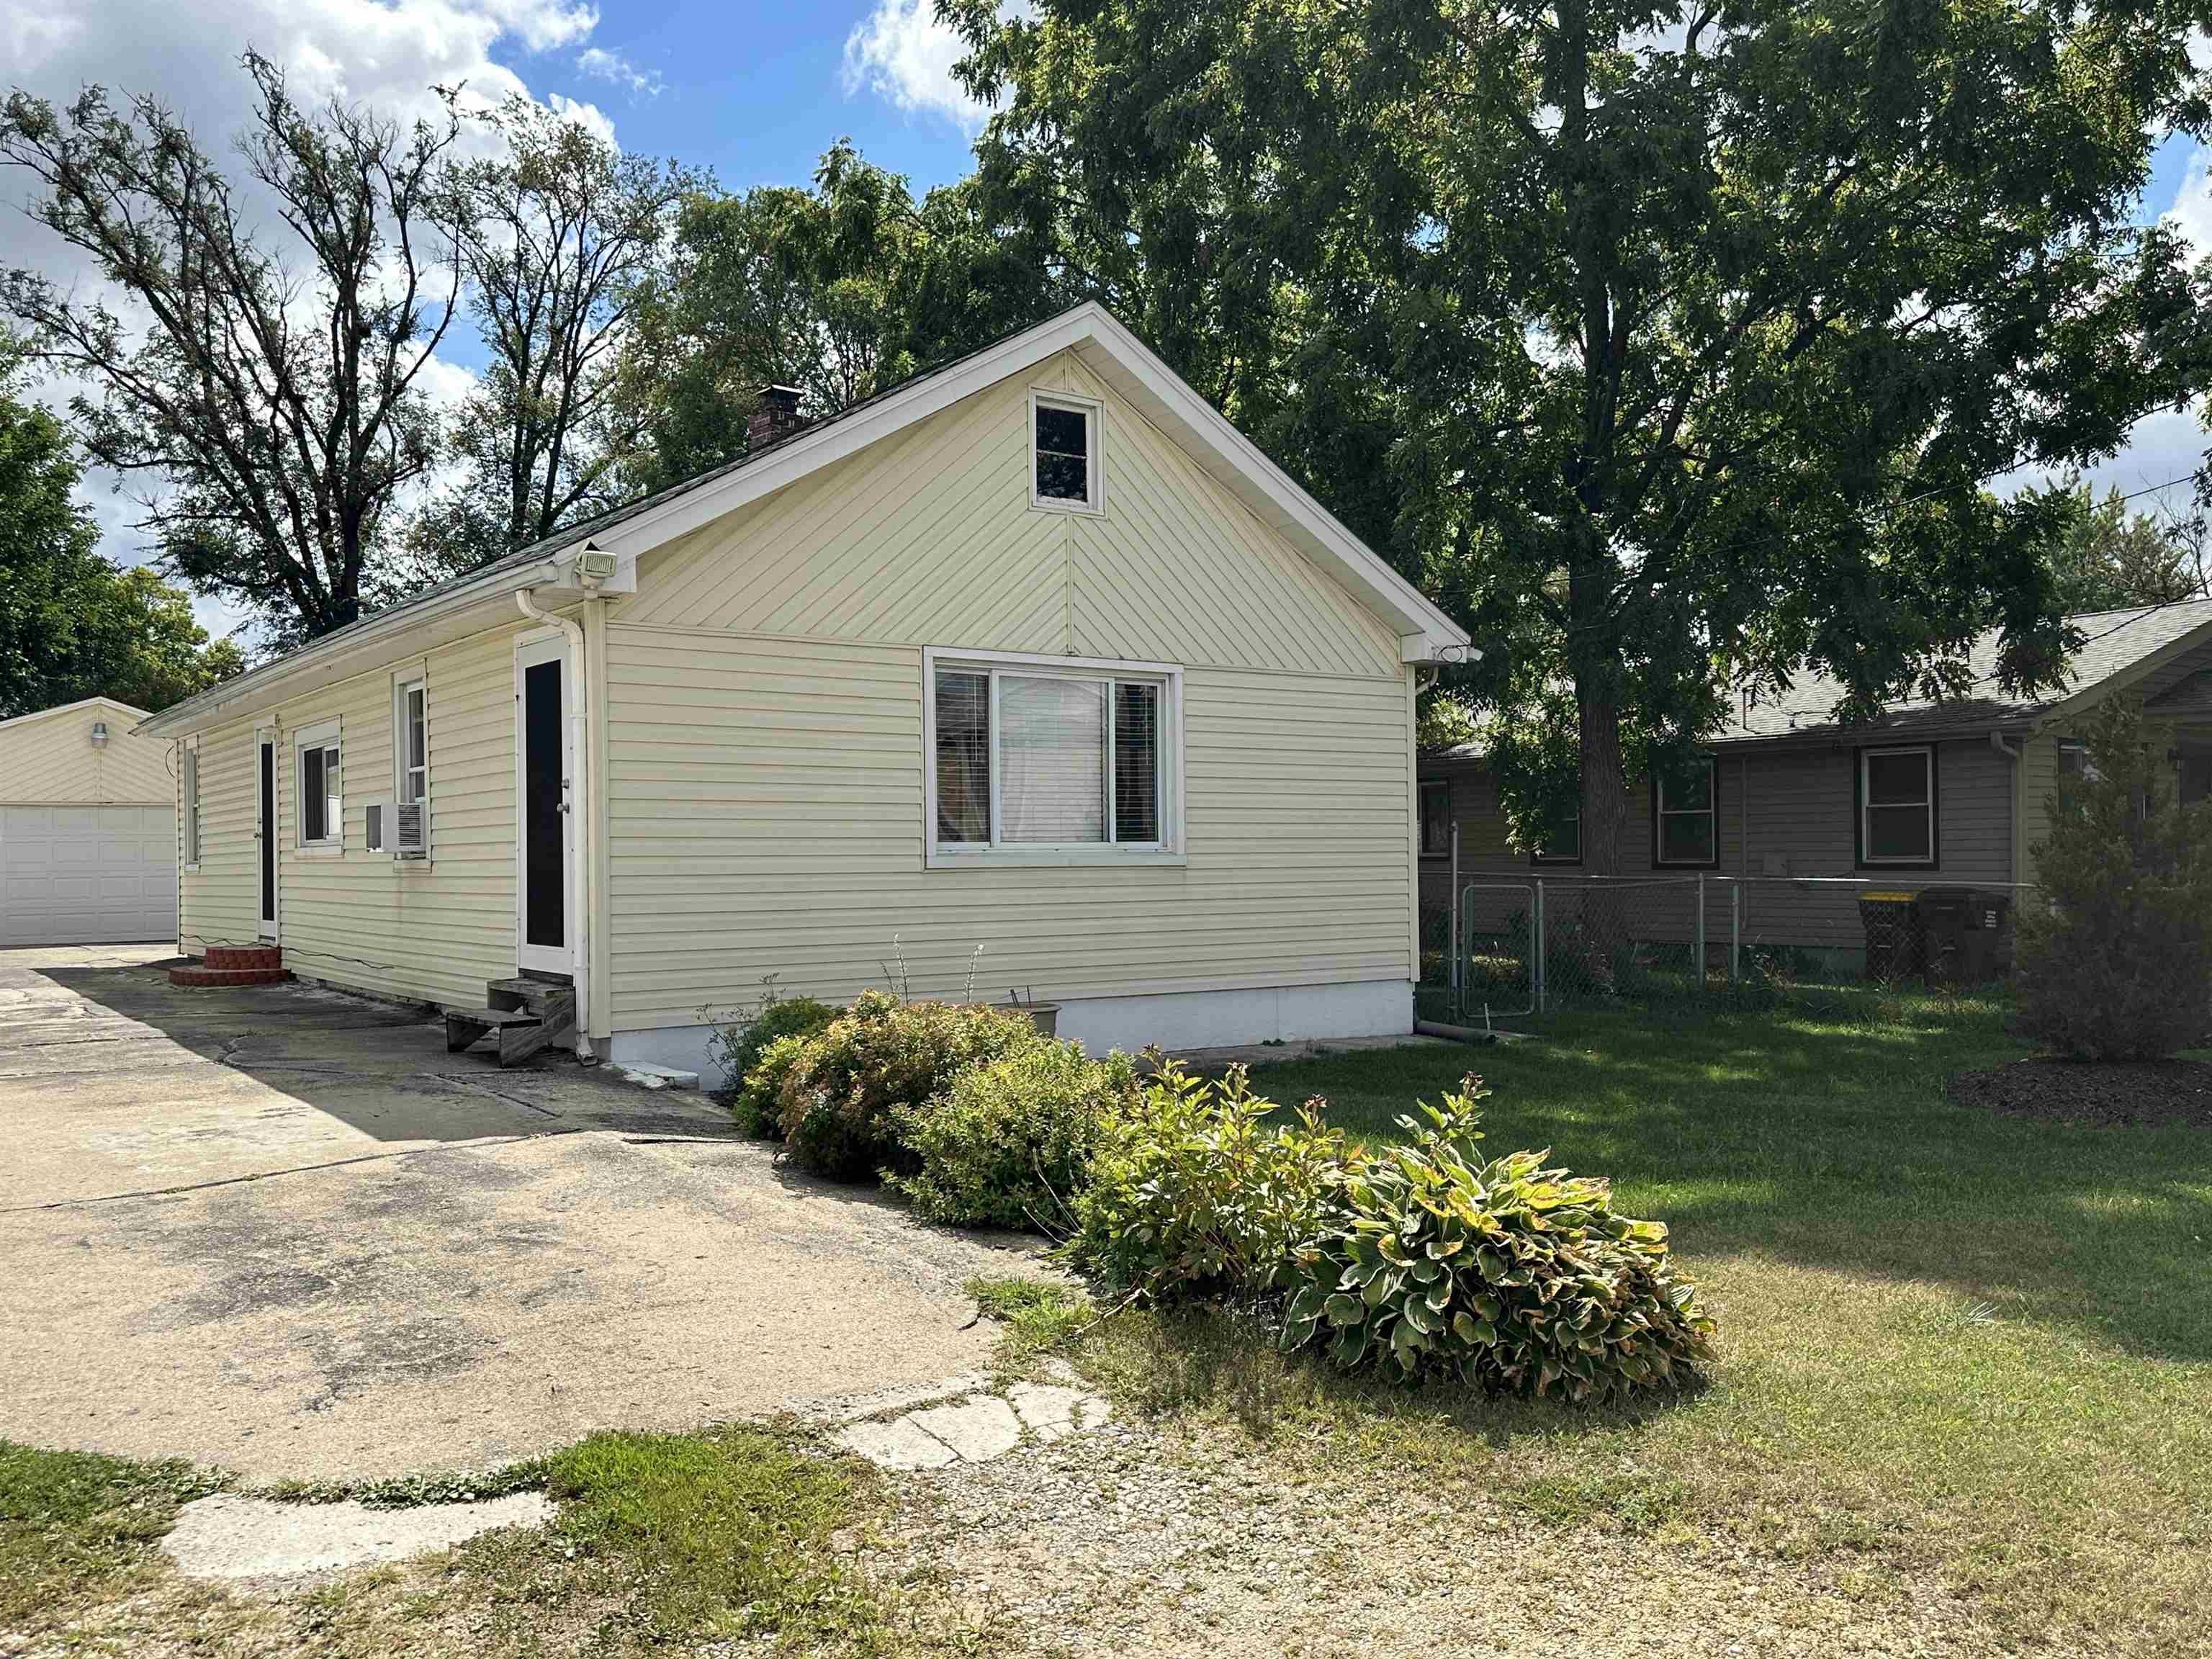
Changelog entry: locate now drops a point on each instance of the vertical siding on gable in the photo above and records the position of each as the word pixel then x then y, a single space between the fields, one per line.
pixel 433 930
pixel 766 817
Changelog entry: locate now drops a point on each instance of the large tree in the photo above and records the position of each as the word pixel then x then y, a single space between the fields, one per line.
pixel 265 382
pixel 560 233
pixel 840 289
pixel 1671 346
pixel 2107 556
pixel 71 624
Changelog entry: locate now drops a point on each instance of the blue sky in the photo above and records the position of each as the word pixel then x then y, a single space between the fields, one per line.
pixel 756 92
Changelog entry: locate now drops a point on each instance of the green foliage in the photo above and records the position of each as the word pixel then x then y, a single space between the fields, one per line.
pixel 758 1106
pixel 71 624
pixel 1039 1318
pixel 2106 557
pixel 69 1521
pixel 739 1046
pixel 730 1529
pixel 838 1094
pixel 1009 1143
pixel 2114 950
pixel 1506 1273
pixel 1653 394
pixel 1193 1193
pixel 1444 722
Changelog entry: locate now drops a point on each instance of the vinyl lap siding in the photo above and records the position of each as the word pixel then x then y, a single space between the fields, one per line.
pixel 766 809
pixel 433 930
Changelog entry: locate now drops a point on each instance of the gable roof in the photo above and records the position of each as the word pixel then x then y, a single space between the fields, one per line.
pixel 130 709
pixel 468 604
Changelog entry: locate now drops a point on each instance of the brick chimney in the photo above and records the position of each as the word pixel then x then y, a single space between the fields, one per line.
pixel 775 415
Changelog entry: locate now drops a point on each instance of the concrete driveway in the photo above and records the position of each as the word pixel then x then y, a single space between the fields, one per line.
pixel 283 1230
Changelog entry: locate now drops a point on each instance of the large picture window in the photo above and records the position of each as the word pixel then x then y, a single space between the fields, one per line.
pixel 1684 824
pixel 1045 760
pixel 1897 806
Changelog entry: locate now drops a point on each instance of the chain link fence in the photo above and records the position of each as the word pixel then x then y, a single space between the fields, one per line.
pixel 1517 948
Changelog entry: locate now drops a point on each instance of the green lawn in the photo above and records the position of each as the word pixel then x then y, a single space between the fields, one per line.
pixel 1956 1348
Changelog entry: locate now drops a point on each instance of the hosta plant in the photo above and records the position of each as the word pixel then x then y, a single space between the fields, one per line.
pixel 1503 1271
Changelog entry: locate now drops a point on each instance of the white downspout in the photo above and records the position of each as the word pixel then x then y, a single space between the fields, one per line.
pixel 579 815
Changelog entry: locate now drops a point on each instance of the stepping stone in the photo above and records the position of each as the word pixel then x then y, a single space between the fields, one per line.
pixel 980 1428
pixel 231 1537
pixel 1053 1413
pixel 897 1445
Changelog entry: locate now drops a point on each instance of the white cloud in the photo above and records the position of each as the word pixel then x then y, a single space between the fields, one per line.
pixel 603 65
pixel 903 53
pixel 2191 212
pixel 590 116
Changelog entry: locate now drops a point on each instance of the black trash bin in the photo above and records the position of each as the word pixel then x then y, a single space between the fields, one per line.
pixel 1963 927
pixel 1893 935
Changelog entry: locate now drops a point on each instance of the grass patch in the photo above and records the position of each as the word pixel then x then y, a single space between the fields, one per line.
pixel 1039 1319
pixel 731 1530
pixel 1952 1345
pixel 77 1528
pixel 410 1492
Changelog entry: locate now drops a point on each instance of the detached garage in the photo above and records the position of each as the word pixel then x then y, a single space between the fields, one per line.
pixel 88 829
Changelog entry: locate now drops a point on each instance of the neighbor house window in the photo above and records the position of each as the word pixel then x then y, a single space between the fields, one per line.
pixel 1436 819
pixel 189 777
pixel 322 793
pixel 1561 843
pixel 1064 452
pixel 2072 767
pixel 1045 760
pixel 1897 806
pixel 1684 827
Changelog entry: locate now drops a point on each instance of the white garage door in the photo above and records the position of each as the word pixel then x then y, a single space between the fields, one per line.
pixel 87 875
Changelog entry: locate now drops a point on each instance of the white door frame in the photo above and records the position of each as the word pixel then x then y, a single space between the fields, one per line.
pixel 270 857
pixel 545 645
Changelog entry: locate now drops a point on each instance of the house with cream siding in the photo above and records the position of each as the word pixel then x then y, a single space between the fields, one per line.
pixel 89 828
pixel 1030 675
pixel 1804 812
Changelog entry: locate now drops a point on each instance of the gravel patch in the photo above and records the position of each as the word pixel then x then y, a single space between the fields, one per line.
pixel 1132 1539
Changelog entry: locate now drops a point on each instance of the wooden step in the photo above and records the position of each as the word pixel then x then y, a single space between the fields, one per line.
pixel 467 1027
pixel 520 1039
pixel 540 996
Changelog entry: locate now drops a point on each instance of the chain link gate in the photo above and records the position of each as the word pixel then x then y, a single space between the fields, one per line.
pixel 1497 959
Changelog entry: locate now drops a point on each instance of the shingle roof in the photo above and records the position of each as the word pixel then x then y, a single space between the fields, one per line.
pixel 2114 640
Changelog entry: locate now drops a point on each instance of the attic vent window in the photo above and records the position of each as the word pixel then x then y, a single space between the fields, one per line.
pixel 1064 433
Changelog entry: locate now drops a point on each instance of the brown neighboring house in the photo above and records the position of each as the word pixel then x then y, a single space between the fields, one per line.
pixel 1952 792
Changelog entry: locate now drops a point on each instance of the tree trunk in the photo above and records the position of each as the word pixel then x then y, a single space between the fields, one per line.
pixel 1604 785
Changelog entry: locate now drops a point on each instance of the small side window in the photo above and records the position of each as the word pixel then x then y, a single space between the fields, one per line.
pixel 1064 453
pixel 189 773
pixel 1436 819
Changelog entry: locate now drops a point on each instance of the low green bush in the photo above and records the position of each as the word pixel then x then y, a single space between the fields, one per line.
pixel 1008 1144
pixel 758 1106
pixel 1506 1273
pixel 738 1048
pixel 836 1095
pixel 1193 1193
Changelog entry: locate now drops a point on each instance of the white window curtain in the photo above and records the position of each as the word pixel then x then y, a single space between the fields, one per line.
pixel 1053 739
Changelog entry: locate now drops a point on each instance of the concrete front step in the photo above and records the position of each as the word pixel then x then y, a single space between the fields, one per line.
pixel 244 955
pixel 204 976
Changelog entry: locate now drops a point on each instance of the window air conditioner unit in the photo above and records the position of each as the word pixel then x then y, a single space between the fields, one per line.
pixel 412 826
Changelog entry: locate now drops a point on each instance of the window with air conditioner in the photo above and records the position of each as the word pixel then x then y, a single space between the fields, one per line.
pixel 1046 760
pixel 320 789
pixel 409 832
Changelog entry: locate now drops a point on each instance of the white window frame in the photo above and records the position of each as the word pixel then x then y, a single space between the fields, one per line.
pixel 188 779
pixel 1867 756
pixel 323 734
pixel 1660 812
pixel 418 680
pixel 1168 851
pixel 1094 435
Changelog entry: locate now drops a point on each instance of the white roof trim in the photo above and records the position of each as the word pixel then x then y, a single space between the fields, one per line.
pixel 64 708
pixel 1423 631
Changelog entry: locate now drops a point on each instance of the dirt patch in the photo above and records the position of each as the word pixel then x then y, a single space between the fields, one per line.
pixel 2144 1092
